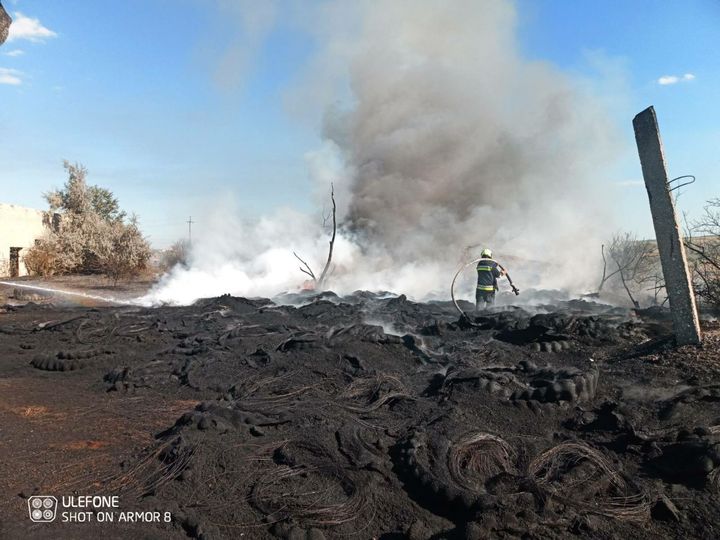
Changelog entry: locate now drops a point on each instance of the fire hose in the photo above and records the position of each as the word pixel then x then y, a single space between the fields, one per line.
pixel 463 267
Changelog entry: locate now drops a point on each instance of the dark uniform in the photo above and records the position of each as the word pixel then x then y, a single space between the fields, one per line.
pixel 488 273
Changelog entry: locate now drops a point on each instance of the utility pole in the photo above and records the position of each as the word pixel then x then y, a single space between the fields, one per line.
pixel 667 231
pixel 190 223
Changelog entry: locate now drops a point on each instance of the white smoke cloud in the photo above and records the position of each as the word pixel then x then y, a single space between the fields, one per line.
pixel 254 20
pixel 250 258
pixel 438 135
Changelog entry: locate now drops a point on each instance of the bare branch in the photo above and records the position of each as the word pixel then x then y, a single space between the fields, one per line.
pixel 309 271
pixel 703 255
pixel 627 289
pixel 604 278
pixel 703 244
pixel 635 264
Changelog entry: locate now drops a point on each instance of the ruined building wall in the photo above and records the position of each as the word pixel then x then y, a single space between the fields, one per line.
pixel 19 228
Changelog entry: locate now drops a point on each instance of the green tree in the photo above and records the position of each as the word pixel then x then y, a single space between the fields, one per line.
pixel 105 204
pixel 93 236
pixel 78 197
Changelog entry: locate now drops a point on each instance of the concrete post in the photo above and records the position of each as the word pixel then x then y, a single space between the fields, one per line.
pixel 667 232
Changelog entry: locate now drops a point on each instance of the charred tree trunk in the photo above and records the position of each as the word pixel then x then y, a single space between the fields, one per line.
pixel 305 268
pixel 324 274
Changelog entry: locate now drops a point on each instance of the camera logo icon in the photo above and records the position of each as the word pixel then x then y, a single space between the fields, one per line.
pixel 42 508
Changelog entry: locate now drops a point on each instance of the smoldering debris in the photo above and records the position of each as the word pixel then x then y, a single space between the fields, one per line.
pixel 312 421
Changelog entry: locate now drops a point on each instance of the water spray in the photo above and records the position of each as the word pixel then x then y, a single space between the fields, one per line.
pixel 109 300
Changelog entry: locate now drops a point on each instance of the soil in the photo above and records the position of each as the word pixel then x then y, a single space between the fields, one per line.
pixel 366 416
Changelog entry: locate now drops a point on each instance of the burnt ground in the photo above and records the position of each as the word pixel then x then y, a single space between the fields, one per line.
pixel 360 417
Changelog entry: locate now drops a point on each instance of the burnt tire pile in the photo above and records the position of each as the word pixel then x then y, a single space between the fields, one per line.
pixel 527 382
pixel 67 360
pixel 372 416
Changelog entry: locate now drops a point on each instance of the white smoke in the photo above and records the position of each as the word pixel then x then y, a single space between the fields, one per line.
pixel 447 138
pixel 255 258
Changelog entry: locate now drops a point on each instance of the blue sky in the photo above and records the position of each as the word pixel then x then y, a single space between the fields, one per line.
pixel 634 43
pixel 135 90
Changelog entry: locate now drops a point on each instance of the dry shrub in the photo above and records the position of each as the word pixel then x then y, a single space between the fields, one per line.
pixel 631 265
pixel 89 245
pixel 177 254
pixel 41 259
pixel 125 253
pixel 703 245
pixel 74 244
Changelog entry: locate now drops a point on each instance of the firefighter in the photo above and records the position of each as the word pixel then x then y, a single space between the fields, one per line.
pixel 488 273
